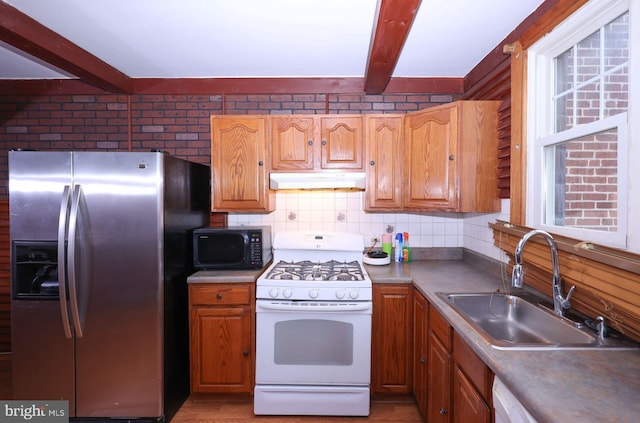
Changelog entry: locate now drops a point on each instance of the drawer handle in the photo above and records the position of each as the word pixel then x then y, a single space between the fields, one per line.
pixel 219 296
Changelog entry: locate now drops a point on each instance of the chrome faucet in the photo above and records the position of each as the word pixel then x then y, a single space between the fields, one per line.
pixel 560 303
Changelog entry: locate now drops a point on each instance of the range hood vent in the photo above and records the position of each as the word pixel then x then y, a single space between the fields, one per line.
pixel 318 180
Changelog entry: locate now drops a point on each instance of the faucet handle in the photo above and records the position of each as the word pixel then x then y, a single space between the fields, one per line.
pixel 565 301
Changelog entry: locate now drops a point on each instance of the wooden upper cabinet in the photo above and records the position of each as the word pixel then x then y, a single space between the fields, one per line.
pixel 430 149
pixel 342 142
pixel 451 158
pixel 317 142
pixel 383 162
pixel 239 164
pixel 292 139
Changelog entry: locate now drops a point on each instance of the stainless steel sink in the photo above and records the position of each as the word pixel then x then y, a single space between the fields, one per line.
pixel 511 322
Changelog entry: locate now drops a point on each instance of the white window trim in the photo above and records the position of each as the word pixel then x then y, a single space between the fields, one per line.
pixel 589 18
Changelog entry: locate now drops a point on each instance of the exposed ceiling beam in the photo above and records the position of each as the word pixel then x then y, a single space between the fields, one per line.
pixel 393 21
pixel 28 35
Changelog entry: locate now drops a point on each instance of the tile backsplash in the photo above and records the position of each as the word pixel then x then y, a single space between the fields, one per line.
pixel 342 211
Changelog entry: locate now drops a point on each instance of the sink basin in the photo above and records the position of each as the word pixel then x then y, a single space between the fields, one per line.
pixel 511 322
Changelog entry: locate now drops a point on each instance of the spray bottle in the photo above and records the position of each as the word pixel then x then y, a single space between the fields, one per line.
pixel 406 252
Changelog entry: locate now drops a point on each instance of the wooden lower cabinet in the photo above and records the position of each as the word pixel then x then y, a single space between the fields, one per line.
pixel 439 368
pixel 391 339
pixel 420 351
pixel 455 385
pixel 468 405
pixel 472 383
pixel 222 346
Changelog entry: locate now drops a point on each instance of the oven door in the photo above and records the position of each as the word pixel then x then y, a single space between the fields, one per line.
pixel 313 343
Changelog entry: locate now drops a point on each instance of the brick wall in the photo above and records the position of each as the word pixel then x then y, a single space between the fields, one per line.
pixel 178 124
pixel 593 84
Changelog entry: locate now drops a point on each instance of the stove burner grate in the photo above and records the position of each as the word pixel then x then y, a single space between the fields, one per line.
pixel 307 270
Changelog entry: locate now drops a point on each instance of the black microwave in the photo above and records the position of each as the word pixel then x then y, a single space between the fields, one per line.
pixel 232 247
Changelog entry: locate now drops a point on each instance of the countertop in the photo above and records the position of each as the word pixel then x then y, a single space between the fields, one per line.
pixel 555 386
pixel 225 276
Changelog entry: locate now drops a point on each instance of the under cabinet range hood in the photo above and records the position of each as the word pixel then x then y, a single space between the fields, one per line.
pixel 317 180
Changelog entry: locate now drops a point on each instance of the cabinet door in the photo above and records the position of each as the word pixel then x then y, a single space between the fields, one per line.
pixel 341 142
pixel 292 142
pixel 430 159
pixel 238 164
pixel 439 382
pixel 420 338
pixel 391 339
pixel 384 162
pixel 468 405
pixel 221 349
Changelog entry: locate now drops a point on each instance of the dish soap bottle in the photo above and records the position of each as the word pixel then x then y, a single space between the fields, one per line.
pixel 406 252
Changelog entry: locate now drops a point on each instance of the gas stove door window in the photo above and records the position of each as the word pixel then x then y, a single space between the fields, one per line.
pixel 313 348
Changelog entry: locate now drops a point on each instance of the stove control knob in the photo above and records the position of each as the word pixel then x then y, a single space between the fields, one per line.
pixel 287 292
pixel 353 294
pixel 340 294
pixel 314 293
pixel 274 292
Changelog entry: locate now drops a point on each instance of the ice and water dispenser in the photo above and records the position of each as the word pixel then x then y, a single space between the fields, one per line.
pixel 35 269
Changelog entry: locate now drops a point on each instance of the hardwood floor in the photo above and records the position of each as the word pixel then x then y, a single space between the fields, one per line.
pixel 240 410
pixel 230 409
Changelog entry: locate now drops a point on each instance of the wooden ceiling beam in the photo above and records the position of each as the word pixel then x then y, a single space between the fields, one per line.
pixel 33 38
pixel 392 24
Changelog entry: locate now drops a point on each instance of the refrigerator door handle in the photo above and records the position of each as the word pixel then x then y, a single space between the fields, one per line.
pixel 63 221
pixel 71 259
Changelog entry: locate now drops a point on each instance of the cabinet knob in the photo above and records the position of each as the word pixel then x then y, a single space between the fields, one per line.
pixel 310 142
pixel 219 296
pixel 451 157
pixel 245 353
pixel 324 142
pixel 422 360
pixel 443 411
pixel 372 163
pixel 260 163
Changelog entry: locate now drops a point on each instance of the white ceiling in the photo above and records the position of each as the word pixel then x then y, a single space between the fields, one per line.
pixel 263 38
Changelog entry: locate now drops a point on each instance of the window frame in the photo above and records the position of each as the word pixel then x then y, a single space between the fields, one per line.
pixel 541 115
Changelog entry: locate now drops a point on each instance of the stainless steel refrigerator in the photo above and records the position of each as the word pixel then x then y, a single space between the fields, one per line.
pixel 100 255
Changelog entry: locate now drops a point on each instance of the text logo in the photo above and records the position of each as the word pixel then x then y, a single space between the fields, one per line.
pixel 34 411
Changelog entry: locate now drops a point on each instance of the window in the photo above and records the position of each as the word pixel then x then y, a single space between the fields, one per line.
pixel 578 114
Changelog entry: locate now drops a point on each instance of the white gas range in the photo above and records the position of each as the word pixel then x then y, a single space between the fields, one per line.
pixel 313 327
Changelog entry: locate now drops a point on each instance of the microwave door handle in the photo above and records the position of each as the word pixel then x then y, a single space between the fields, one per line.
pixel 71 251
pixel 63 221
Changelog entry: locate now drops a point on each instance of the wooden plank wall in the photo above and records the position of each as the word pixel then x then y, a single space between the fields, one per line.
pixel 496 85
pixel 607 281
pixel 5 286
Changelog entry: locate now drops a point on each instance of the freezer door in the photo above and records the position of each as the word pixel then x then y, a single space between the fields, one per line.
pixel 42 357
pixel 117 261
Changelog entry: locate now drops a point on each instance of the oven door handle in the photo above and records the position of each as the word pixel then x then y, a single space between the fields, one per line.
pixel 312 307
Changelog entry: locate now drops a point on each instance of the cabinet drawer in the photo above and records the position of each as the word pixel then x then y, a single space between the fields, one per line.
pixel 219 295
pixel 440 327
pixel 473 367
